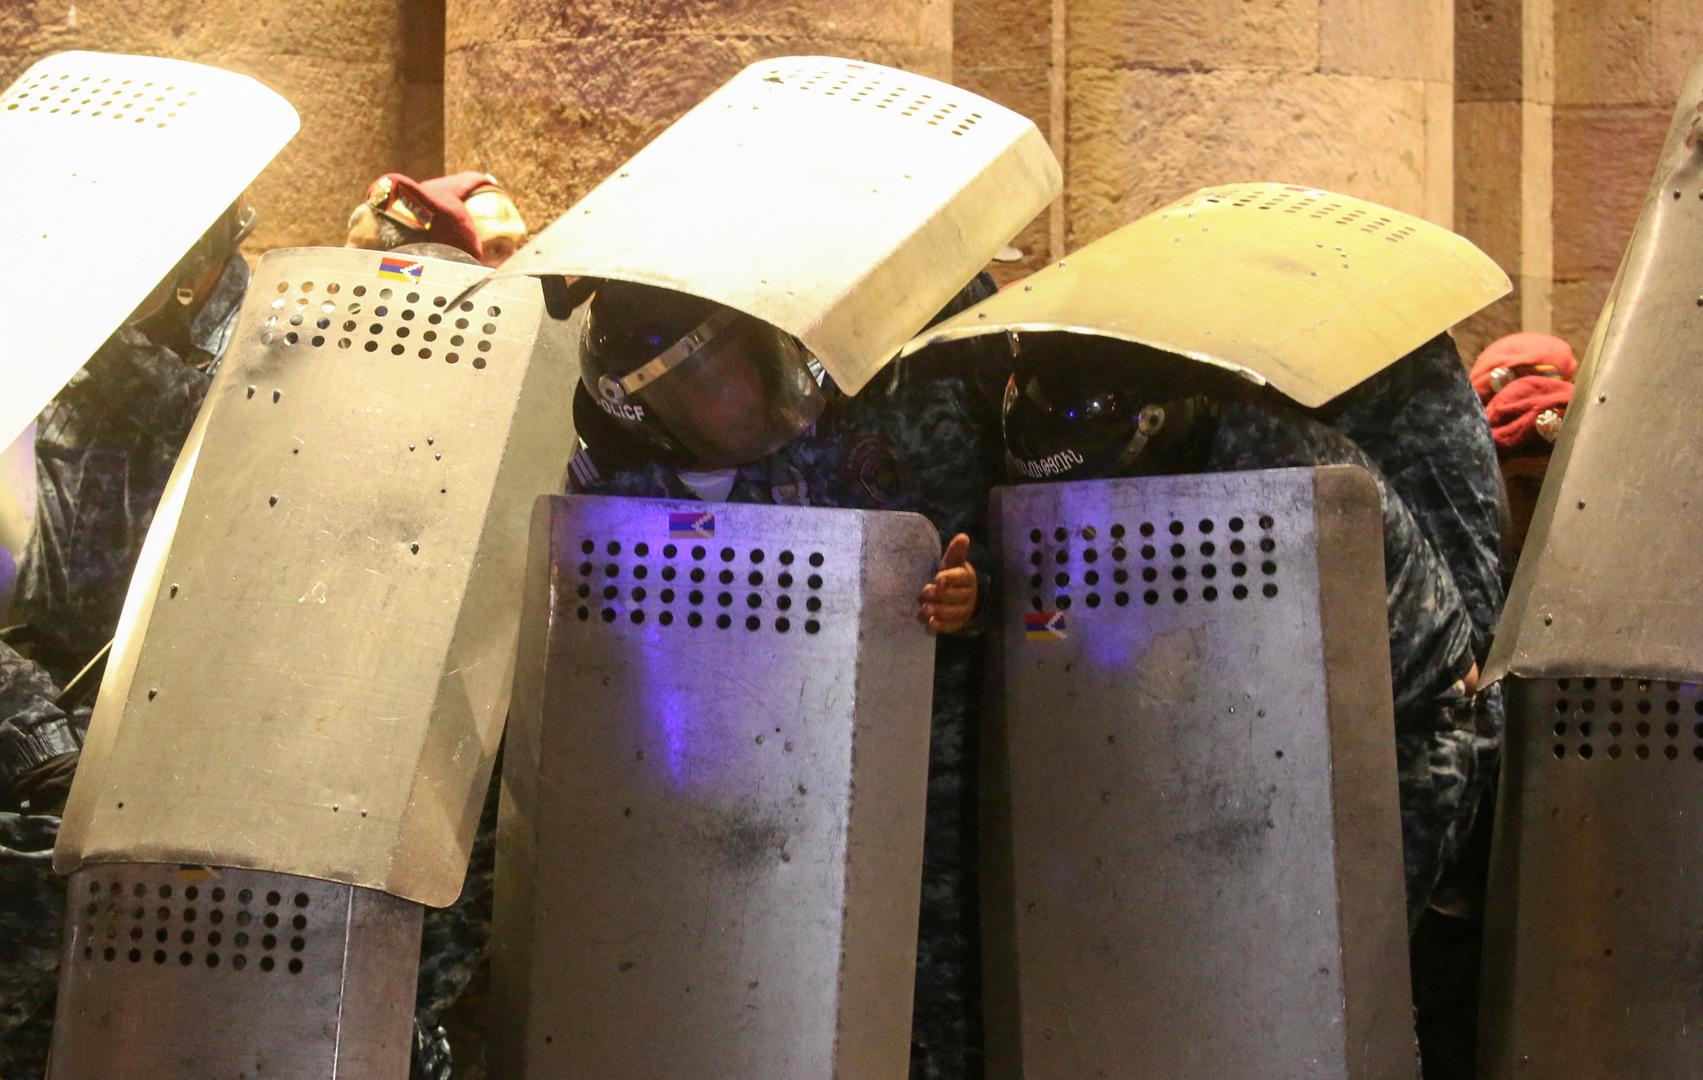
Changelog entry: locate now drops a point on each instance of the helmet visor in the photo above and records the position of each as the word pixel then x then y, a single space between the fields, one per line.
pixel 731 391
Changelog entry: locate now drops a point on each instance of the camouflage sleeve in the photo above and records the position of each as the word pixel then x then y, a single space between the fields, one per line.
pixel 149 385
pixel 32 728
pixel 1421 422
pixel 1430 631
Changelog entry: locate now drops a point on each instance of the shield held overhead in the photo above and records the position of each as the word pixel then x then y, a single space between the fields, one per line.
pixel 1305 290
pixel 89 125
pixel 843 202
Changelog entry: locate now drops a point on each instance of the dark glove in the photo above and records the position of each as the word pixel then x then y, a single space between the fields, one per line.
pixel 44 787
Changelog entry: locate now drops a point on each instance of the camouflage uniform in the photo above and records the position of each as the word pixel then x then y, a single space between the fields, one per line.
pixel 32 896
pixel 454 941
pixel 104 449
pixel 1442 741
pixel 923 436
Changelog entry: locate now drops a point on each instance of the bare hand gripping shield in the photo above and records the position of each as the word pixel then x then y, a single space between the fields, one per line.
pixel 710 855
pixel 1192 868
pixel 312 673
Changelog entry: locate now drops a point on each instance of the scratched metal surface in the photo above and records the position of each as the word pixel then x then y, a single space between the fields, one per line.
pixel 312 671
pixel 710 851
pixel 1202 840
pixel 1617 521
pixel 173 972
pixel 1594 930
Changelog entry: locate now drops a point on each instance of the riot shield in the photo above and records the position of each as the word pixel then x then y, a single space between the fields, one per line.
pixel 312 671
pixel 1591 929
pixel 1305 290
pixel 843 202
pixel 86 130
pixel 709 860
pixel 191 972
pixel 1195 870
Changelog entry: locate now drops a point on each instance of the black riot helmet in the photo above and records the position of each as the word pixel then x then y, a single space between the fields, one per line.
pixel 1080 407
pixel 691 377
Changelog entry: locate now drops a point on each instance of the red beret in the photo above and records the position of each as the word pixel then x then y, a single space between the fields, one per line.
pixel 429 208
pixel 1527 413
pixel 460 186
pixel 1520 355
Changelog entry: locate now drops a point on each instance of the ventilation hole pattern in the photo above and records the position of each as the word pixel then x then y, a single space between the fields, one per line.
pixel 690 585
pixel 403 320
pixel 858 87
pixel 1319 207
pixel 187 925
pixel 1613 719
pixel 104 98
pixel 1175 561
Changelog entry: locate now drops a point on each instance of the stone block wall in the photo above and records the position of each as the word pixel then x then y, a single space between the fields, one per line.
pixel 552 96
pixel 1149 101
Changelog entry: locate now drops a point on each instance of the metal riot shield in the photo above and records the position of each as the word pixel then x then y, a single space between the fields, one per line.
pixel 172 972
pixel 1593 938
pixel 311 676
pixel 1195 864
pixel 86 131
pixel 843 202
pixel 709 860
pixel 1306 290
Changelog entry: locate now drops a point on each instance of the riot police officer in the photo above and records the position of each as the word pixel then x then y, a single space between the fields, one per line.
pixel 1114 409
pixel 683 398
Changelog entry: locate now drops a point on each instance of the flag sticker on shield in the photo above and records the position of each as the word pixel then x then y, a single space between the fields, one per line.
pixel 1045 625
pixel 692 525
pixel 400 269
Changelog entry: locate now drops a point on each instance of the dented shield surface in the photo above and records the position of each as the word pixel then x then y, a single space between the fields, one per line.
pixel 1195 867
pixel 1593 947
pixel 172 972
pixel 709 859
pixel 85 129
pixel 843 202
pixel 1615 529
pixel 1303 289
pixel 312 678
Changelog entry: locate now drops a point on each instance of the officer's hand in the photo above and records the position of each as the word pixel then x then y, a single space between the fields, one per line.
pixel 950 599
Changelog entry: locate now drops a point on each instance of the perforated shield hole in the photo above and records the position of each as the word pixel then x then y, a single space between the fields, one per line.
pixel 204 925
pixel 1173 561
pixel 862 86
pixel 406 320
pixel 1610 720
pixel 69 93
pixel 1319 207
pixel 692 585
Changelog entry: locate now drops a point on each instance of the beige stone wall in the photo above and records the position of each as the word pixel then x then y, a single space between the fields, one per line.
pixel 1156 99
pixel 1619 65
pixel 1504 176
pixel 360 72
pixel 551 97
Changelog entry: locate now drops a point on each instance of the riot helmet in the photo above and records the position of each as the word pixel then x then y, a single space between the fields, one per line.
pixel 690 376
pixel 1079 407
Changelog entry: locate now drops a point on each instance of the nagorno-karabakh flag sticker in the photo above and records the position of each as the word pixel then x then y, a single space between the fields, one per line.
pixel 1045 625
pixel 400 269
pixel 692 525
